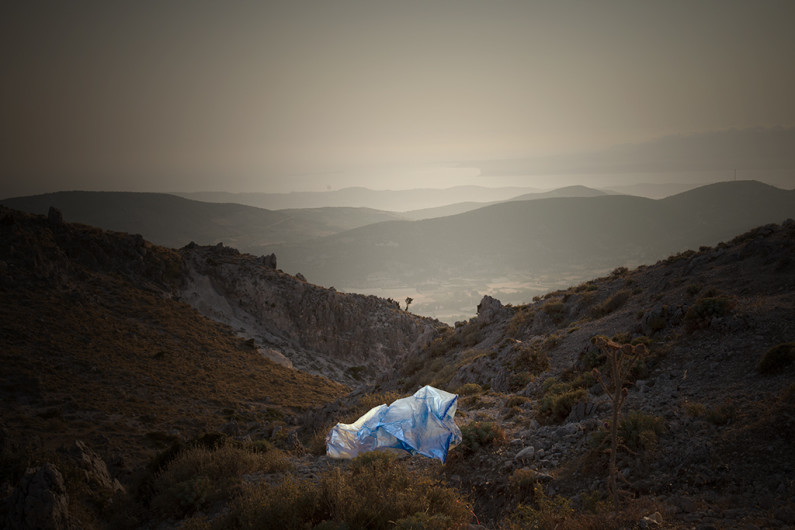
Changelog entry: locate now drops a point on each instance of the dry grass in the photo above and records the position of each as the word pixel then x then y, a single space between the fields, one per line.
pixel 556 512
pixel 201 477
pixel 95 356
pixel 375 491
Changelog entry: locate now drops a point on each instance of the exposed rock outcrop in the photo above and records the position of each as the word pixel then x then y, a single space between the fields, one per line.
pixel 347 337
pixel 94 470
pixel 40 501
pixel 489 309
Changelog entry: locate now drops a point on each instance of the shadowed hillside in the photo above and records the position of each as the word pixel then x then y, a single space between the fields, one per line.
pixel 390 200
pixel 174 221
pixel 96 347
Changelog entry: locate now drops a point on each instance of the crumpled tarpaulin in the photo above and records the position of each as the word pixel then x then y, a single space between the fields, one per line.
pixel 422 423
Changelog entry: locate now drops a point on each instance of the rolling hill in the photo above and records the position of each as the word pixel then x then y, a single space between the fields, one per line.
pixel 514 249
pixel 174 221
pixel 462 207
pixel 389 200
pixel 571 234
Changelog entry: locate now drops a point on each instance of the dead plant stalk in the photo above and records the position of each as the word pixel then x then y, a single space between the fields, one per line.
pixel 620 360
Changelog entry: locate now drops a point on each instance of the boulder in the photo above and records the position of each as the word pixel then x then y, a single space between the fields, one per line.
pixel 489 309
pixel 39 501
pixel 526 454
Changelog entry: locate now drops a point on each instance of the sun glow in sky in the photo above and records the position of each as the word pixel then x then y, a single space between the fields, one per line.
pixel 312 95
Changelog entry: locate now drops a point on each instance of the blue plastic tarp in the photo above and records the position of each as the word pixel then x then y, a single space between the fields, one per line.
pixel 422 423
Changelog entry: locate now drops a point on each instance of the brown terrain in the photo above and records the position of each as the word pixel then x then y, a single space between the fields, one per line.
pixel 145 387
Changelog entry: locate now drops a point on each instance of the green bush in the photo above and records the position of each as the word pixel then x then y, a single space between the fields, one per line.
pixel 640 431
pixel 636 431
pixel 519 380
pixel 701 313
pixel 777 358
pixel 559 398
pixel 478 434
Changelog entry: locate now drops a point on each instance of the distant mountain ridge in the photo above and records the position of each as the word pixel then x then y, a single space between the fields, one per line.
pixel 462 207
pixel 562 236
pixel 389 200
pixel 174 221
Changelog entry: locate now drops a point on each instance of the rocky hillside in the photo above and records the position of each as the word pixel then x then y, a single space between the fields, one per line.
pixel 100 347
pixel 125 406
pixel 347 337
pixel 95 341
pixel 709 418
pixel 173 221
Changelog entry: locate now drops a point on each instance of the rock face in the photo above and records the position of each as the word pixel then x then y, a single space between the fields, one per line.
pixel 94 469
pixel 347 337
pixel 40 501
pixel 489 309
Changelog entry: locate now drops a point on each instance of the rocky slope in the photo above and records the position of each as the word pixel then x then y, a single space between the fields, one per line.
pixel 347 337
pixel 711 427
pixel 98 348
pixel 105 342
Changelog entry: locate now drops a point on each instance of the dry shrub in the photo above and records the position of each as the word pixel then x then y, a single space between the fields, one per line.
pixel 468 389
pixel 537 359
pixel 694 409
pixel 522 483
pixel 611 304
pixel 516 401
pixel 199 477
pixel 722 414
pixel 777 358
pixel 545 512
pixel 556 310
pixel 375 491
pixel 522 318
pixel 556 512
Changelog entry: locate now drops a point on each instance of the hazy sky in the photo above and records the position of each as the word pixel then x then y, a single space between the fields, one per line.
pixel 275 96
